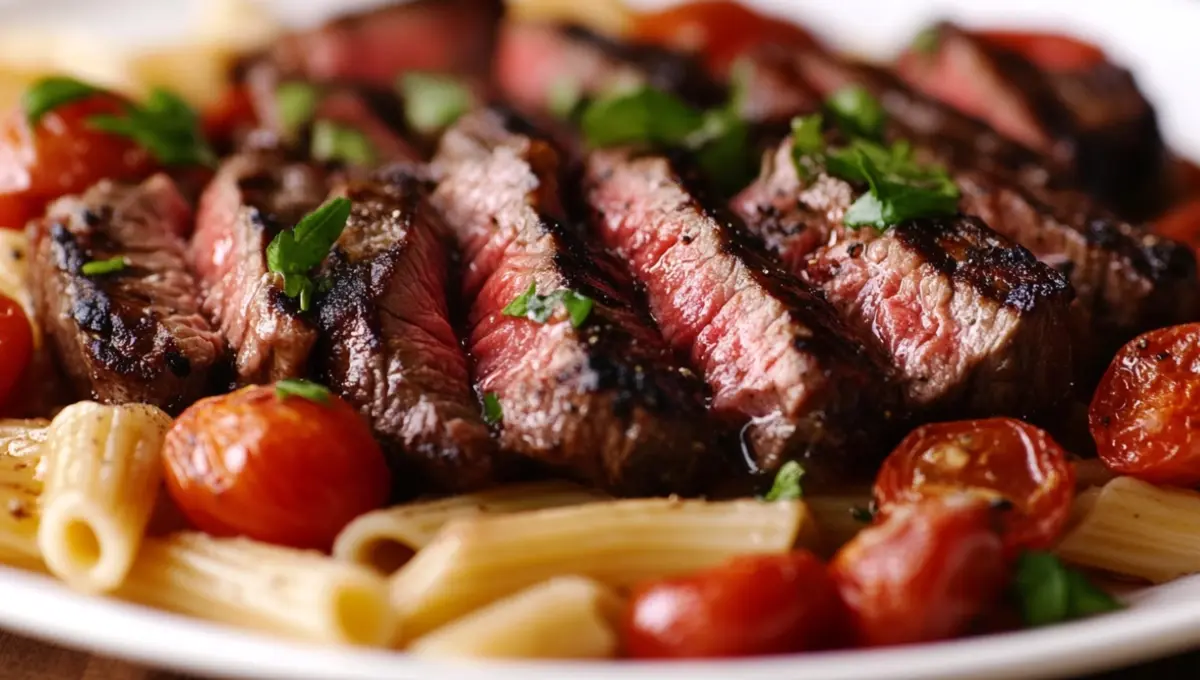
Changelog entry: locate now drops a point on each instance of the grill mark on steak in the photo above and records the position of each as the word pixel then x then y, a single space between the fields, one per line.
pixel 135 335
pixel 387 346
pixel 251 198
pixel 975 325
pixel 607 401
pixel 776 357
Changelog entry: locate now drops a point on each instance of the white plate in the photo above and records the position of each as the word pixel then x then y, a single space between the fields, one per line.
pixel 1155 37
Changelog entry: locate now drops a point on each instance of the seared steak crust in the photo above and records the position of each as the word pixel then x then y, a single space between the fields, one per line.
pixel 604 401
pixel 778 360
pixel 133 335
pixel 387 346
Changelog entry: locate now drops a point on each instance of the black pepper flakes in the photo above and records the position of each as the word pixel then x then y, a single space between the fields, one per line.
pixel 854 250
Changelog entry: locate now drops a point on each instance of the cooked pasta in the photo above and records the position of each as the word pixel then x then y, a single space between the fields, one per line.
pixel 838 517
pixel 19 490
pixel 237 581
pixel 22 438
pixel 476 561
pixel 102 478
pixel 1137 529
pixel 564 618
pixel 385 539
pixel 605 16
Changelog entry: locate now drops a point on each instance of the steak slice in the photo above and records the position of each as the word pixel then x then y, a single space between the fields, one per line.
pixel 975 325
pixel 136 334
pixel 605 400
pixel 252 198
pixel 387 346
pixel 778 360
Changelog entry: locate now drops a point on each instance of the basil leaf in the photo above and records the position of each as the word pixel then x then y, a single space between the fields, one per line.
pixel 641 116
pixel 295 252
pixel 1047 591
pixel 492 411
pixel 856 112
pixel 296 102
pixel 1085 598
pixel 540 308
pixel 787 483
pixel 900 189
pixel 579 307
pixel 49 93
pixel 165 125
pixel 99 267
pixel 564 98
pixel 432 101
pixel 305 389
pixel 334 142
pixel 806 135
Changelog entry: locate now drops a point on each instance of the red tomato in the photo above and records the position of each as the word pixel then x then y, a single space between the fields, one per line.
pixel 283 470
pixel 924 573
pixel 998 458
pixel 1050 51
pixel 1145 415
pixel 61 155
pixel 1182 223
pixel 16 345
pixel 720 29
pixel 763 604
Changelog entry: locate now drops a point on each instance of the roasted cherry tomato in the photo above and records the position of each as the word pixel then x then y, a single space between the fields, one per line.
pixel 1145 416
pixel 999 458
pixel 765 604
pixel 924 573
pixel 719 29
pixel 1050 51
pixel 61 155
pixel 16 345
pixel 281 469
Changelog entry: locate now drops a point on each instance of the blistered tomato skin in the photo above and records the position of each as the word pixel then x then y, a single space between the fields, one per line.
pixel 287 471
pixel 769 604
pixel 1145 415
pixel 995 458
pixel 16 346
pixel 925 573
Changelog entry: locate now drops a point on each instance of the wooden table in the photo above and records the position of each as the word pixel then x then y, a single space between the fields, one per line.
pixel 25 659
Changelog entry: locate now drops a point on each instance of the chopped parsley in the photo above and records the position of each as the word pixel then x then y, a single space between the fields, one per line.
pixel 928 41
pixel 334 142
pixel 856 112
pixel 305 389
pixel 1047 591
pixel 492 411
pixel 565 99
pixel 787 483
pixel 433 101
pixel 539 308
pixel 295 252
pixel 165 125
pixel 100 267
pixel 52 92
pixel 296 102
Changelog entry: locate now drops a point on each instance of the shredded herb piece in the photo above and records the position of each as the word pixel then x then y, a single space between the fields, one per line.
pixel 305 389
pixel 539 308
pixel 297 103
pixel 433 101
pixel 1047 591
pixel 492 411
pixel 51 92
pixel 100 267
pixel 856 112
pixel 900 188
pixel 339 143
pixel 928 41
pixel 165 125
pixel 565 98
pixel 295 252
pixel 787 483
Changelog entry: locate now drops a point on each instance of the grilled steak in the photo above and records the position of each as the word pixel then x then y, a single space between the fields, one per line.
pixel 252 198
pixel 1091 120
pixel 974 324
pixel 387 346
pixel 602 399
pixel 135 334
pixel 778 360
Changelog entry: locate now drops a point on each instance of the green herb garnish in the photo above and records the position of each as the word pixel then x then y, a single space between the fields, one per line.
pixel 492 411
pixel 564 99
pixel 900 188
pixel 339 143
pixel 296 102
pixel 787 483
pixel 432 101
pixel 165 125
pixel 295 252
pixel 305 389
pixel 1047 591
pixel 856 112
pixel 928 41
pixel 539 308
pixel 50 93
pixel 99 267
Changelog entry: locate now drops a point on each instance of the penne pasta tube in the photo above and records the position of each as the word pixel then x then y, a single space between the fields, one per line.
pixel 102 477
pixel 301 594
pixel 1137 529
pixel 22 438
pixel 839 517
pixel 385 539
pixel 479 560
pixel 564 618
pixel 19 490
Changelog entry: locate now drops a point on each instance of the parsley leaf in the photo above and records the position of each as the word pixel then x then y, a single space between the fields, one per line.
pixel 564 99
pixel 1047 591
pixel 340 143
pixel 295 252
pixel 165 125
pixel 296 102
pixel 539 308
pixel 305 389
pixel 52 92
pixel 110 266
pixel 928 41
pixel 492 411
pixel 900 188
pixel 856 112
pixel 787 483
pixel 433 101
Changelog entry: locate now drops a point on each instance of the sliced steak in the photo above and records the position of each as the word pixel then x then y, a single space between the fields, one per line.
pixel 975 325
pixel 251 199
pixel 605 401
pixel 778 360
pixel 387 346
pixel 132 335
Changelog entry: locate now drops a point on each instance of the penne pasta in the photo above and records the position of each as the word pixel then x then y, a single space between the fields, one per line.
pixel 479 560
pixel 22 438
pixel 302 594
pixel 102 478
pixel 385 539
pixel 838 517
pixel 564 618
pixel 19 490
pixel 612 17
pixel 1137 529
